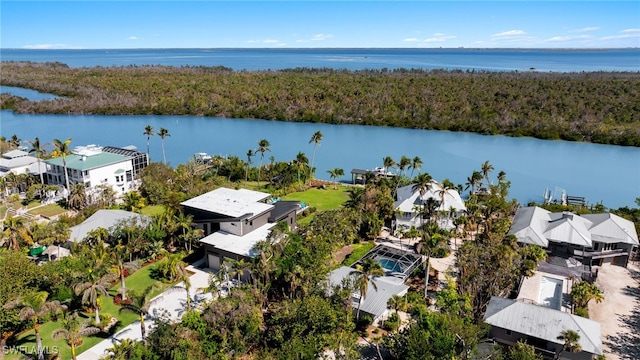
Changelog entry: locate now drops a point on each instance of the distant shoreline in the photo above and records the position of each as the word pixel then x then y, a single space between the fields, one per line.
pixel 336 48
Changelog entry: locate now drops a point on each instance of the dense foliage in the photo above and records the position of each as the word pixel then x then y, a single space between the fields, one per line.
pixel 597 107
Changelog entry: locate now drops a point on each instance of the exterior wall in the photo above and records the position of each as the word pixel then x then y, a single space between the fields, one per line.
pixel 222 256
pixel 94 177
pixel 291 220
pixel 548 349
pixel 245 226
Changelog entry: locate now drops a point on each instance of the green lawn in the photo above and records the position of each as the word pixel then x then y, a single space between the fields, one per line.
pixel 48 210
pixel 152 210
pixel 138 281
pixel 326 199
pixel 358 251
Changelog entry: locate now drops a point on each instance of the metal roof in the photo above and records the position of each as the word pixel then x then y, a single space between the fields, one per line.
pixel 84 162
pixel 376 299
pixel 542 322
pixel 229 202
pixel 408 199
pixel 104 219
pixel 534 225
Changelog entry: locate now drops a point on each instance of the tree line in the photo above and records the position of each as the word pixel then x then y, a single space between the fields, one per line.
pixel 598 107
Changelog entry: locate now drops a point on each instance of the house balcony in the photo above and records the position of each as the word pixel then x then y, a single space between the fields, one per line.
pixel 600 254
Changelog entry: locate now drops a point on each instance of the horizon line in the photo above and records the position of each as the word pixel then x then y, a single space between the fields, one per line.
pixel 334 48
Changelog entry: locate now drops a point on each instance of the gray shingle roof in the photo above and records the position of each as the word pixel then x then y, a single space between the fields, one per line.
pixel 104 219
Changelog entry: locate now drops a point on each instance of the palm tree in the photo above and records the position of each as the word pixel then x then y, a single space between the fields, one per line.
pixel 163 133
pixel 38 148
pixel 263 146
pixel 301 162
pixel 148 130
pixel 475 180
pixel 404 163
pixel 34 307
pixel 397 302
pixel 250 154
pixel 388 162
pixel 571 342
pixel 442 192
pixel 73 331
pixel 63 149
pixel 582 292
pixel 487 168
pixel 334 174
pixel 121 350
pixel 15 229
pixel 78 198
pixel 432 238
pixel 92 289
pixel 422 184
pixel 239 267
pixel 121 267
pixel 316 138
pixel 363 272
pixel 502 176
pixel 416 164
pixel 140 304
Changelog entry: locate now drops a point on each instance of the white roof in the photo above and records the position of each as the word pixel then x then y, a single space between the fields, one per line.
pixel 375 301
pixel 534 225
pixel 240 245
pixel 408 199
pixel 16 161
pixel 104 219
pixel 611 228
pixel 233 203
pixel 12 154
pixel 542 322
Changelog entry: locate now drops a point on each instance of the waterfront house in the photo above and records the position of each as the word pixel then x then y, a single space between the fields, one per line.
pixel 577 240
pixel 234 221
pixel 106 219
pixel 410 205
pixel 18 162
pixel 96 166
pixel 512 321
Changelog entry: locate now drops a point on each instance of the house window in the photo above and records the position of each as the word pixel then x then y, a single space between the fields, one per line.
pixel 508 332
pixel 119 178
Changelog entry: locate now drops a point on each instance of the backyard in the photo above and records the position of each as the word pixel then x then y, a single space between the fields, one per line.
pixel 136 282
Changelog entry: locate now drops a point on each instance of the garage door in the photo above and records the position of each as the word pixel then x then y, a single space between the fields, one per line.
pixel 214 262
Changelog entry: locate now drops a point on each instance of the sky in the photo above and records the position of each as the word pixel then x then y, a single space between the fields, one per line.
pixel 319 24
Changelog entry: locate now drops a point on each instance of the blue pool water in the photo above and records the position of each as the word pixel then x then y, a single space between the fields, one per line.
pixel 390 265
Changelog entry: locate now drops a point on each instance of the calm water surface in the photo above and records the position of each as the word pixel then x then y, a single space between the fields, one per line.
pixel 606 173
pixel 352 59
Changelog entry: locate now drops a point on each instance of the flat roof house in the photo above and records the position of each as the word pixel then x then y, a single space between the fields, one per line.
pixel 590 239
pixel 540 326
pixel 18 162
pixel 94 166
pixel 234 221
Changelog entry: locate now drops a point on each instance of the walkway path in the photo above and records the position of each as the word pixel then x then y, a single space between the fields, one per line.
pixel 172 303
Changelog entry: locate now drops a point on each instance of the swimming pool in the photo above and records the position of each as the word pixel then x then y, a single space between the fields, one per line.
pixel 390 265
pixel 550 292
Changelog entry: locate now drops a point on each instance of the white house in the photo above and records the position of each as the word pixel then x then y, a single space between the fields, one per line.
pixel 17 162
pixel 94 166
pixel 409 206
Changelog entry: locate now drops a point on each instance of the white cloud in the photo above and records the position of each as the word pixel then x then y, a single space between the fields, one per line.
pixel 50 46
pixel 321 37
pixel 510 33
pixel 134 38
pixel 630 31
pixel 437 37
pixel 585 29
pixel 270 41
pixel 559 38
pixel 624 34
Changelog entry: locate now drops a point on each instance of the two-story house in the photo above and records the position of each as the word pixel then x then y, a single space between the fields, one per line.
pixel 93 166
pixel 234 221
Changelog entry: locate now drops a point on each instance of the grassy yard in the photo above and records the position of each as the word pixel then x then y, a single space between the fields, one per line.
pixel 321 199
pixel 358 251
pixel 152 210
pixel 48 210
pixel 138 281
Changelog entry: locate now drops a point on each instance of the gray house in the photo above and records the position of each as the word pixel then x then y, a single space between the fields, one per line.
pixel 234 221
pixel 105 219
pixel 591 239
pixel 540 326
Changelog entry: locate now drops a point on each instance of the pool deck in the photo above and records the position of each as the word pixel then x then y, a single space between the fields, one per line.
pixel 531 287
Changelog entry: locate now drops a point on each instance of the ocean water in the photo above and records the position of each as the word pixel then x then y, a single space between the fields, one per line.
pixel 351 59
